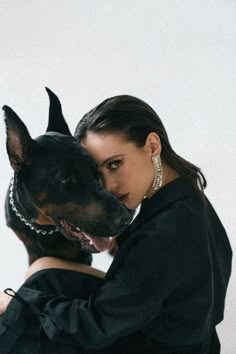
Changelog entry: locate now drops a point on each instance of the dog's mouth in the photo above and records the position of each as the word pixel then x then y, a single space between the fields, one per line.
pixel 88 243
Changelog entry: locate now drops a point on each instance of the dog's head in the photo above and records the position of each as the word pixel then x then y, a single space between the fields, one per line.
pixel 56 182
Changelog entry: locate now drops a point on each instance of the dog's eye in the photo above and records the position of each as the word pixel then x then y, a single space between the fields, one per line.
pixel 65 181
pixel 71 180
pixel 67 177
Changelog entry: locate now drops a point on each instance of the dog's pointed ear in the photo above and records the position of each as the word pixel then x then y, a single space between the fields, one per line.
pixel 56 120
pixel 19 141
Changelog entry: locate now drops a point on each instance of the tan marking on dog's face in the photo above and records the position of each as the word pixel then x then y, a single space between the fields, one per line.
pixel 42 196
pixel 66 210
pixel 42 218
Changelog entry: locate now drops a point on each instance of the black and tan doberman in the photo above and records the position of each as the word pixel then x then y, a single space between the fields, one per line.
pixel 55 202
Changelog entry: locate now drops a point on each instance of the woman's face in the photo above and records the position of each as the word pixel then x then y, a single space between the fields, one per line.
pixel 126 170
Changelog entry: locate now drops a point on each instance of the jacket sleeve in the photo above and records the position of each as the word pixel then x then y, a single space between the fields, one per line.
pixel 127 303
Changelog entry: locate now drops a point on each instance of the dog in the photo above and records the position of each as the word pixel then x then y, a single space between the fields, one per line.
pixel 55 203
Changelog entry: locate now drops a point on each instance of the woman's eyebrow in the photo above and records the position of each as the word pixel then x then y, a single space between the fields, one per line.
pixel 110 158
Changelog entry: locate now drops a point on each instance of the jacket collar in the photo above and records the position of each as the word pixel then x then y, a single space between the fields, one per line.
pixel 178 189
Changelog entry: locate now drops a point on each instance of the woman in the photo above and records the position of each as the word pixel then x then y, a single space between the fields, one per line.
pixel 168 281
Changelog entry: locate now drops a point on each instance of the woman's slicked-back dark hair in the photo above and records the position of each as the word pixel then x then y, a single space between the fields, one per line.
pixel 134 120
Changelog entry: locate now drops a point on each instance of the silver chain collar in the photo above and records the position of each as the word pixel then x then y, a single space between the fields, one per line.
pixel 21 217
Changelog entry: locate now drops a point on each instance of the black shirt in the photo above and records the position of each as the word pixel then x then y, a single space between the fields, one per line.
pixel 167 282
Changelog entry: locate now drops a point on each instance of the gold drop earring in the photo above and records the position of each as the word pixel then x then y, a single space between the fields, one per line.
pixel 157 182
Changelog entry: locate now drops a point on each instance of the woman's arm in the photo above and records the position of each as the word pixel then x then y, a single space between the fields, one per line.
pixel 124 304
pixel 49 263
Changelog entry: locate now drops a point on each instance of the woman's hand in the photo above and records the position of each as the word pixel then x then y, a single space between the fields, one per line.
pixel 4 302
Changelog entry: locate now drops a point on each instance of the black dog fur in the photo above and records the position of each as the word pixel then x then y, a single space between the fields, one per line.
pixel 56 189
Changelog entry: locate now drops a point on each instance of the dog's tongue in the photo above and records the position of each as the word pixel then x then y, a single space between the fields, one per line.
pixel 100 243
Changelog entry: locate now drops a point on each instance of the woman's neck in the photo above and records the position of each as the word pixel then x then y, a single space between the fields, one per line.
pixel 168 175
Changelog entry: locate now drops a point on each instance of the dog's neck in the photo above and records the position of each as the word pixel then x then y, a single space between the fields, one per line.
pixel 46 230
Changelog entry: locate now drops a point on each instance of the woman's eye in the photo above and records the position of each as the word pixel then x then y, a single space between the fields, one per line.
pixel 114 164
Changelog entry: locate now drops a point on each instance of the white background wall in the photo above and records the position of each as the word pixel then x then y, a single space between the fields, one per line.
pixel 179 56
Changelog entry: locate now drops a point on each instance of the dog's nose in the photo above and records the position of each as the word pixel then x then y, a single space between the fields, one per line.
pixel 122 221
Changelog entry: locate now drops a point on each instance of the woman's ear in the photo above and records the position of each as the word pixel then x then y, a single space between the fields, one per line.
pixel 153 144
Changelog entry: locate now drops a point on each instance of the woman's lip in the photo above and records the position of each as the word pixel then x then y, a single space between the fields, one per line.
pixel 122 196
